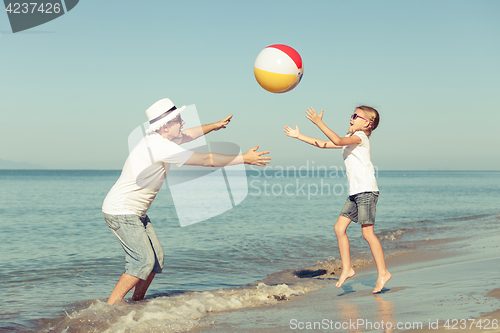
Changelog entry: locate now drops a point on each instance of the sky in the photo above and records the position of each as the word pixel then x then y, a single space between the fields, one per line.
pixel 72 89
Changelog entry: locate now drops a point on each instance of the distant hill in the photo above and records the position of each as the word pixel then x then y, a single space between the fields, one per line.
pixel 4 164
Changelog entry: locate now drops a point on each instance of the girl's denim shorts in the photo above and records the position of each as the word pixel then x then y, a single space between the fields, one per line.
pixel 143 251
pixel 361 207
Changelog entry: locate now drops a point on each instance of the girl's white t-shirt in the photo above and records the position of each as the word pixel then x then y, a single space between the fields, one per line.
pixel 143 174
pixel 359 168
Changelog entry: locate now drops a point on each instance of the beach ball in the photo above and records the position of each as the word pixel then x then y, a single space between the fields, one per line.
pixel 278 68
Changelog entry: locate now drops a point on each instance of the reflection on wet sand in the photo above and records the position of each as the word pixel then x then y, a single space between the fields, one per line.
pixel 352 318
pixel 385 312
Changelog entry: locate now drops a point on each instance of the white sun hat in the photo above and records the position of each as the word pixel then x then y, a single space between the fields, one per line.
pixel 161 113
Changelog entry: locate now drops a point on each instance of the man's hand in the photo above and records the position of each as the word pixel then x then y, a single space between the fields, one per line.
pixel 255 157
pixel 313 116
pixel 222 123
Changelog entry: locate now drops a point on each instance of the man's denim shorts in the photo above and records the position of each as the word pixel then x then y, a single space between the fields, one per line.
pixel 143 252
pixel 361 207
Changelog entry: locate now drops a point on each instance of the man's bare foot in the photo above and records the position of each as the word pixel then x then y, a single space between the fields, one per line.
pixel 344 276
pixel 381 281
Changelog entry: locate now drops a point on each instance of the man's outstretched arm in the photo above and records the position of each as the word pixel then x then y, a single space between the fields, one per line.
pixel 193 133
pixel 252 156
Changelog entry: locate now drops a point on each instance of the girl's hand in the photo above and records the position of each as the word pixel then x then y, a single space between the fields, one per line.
pixel 293 133
pixel 313 116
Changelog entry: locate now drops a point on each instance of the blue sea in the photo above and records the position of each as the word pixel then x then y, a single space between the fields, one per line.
pixel 59 261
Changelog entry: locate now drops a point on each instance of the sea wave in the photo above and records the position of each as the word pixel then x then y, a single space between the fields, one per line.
pixel 178 313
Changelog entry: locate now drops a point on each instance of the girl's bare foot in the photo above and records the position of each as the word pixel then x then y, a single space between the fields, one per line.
pixel 381 281
pixel 346 273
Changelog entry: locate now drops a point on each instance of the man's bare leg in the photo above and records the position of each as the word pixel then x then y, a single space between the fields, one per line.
pixel 345 249
pixel 123 286
pixel 378 256
pixel 141 287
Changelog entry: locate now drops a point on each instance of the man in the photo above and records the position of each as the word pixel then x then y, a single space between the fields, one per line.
pixel 145 169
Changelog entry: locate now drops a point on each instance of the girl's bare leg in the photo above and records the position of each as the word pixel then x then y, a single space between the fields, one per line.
pixel 378 256
pixel 345 249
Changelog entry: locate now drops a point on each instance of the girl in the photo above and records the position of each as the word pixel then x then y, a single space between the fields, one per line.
pixel 363 190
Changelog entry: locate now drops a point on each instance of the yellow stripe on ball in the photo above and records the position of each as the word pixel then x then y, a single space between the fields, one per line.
pixel 274 82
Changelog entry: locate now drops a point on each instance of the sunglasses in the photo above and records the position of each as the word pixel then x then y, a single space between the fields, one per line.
pixel 354 116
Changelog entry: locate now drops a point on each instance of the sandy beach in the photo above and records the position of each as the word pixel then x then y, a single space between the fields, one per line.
pixel 440 285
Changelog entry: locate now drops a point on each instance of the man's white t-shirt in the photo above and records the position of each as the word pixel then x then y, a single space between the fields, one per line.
pixel 359 168
pixel 143 174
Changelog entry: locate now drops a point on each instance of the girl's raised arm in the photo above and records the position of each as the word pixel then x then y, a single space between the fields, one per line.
pixel 317 119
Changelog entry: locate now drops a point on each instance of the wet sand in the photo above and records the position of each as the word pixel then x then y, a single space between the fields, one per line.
pixel 438 281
